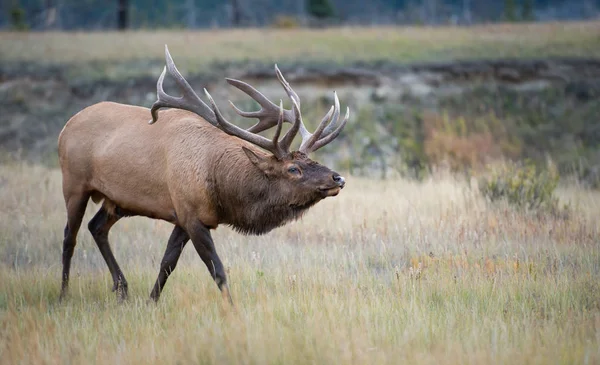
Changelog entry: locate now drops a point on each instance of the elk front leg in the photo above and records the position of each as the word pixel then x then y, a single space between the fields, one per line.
pixel 99 226
pixel 205 247
pixel 177 241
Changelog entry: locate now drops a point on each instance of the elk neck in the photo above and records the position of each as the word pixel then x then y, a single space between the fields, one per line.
pixel 249 201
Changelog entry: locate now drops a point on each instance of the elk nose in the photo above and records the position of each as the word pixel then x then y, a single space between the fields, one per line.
pixel 339 180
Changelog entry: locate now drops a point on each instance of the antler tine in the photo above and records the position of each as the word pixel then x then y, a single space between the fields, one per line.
pixel 267 115
pixel 272 146
pixel 158 104
pixel 309 139
pixel 296 108
pixel 336 115
pixel 324 129
pixel 288 138
pixel 330 137
pixel 286 85
pixel 279 125
pixel 189 101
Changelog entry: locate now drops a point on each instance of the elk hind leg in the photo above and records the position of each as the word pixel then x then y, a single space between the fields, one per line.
pixel 99 226
pixel 76 204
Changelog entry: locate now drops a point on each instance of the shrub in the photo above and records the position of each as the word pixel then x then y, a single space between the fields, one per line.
pixel 510 13
pixel 464 144
pixel 523 186
pixel 320 9
pixel 17 18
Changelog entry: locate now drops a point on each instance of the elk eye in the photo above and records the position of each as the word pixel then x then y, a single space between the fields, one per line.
pixel 293 170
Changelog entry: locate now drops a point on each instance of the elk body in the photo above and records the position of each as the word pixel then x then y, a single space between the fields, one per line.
pixel 189 166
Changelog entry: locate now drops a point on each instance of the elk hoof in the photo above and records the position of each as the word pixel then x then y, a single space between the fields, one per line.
pixel 120 287
pixel 62 297
pixel 121 295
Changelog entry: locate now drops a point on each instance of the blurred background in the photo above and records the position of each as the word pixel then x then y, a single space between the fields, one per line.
pixel 432 84
pixel 192 14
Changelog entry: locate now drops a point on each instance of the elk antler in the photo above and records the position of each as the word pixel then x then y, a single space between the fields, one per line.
pixel 325 132
pixel 189 101
pixel 267 115
pixel 278 148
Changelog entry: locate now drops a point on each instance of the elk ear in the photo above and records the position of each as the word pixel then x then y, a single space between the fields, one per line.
pixel 261 162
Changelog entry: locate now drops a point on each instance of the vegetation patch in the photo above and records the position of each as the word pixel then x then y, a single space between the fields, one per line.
pixel 523 186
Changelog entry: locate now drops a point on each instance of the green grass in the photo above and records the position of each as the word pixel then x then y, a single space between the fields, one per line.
pixel 118 54
pixel 387 272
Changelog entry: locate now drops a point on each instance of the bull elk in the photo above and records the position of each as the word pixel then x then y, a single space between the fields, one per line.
pixel 194 169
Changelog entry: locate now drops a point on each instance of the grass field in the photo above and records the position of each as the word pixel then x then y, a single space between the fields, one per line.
pixel 198 49
pixel 387 272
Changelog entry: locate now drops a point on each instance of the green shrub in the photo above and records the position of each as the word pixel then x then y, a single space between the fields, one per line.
pixel 17 18
pixel 510 13
pixel 320 9
pixel 523 186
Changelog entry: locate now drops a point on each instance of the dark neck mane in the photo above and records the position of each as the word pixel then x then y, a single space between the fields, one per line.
pixel 250 205
pixel 261 218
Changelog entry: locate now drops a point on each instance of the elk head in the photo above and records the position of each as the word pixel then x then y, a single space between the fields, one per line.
pixel 291 173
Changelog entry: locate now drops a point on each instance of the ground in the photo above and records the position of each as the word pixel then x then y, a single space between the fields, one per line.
pixel 387 272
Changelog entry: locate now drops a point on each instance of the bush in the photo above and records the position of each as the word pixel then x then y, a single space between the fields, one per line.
pixel 457 144
pixel 321 9
pixel 522 186
pixel 17 19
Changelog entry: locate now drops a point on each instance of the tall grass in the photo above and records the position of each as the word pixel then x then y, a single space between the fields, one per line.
pixel 387 272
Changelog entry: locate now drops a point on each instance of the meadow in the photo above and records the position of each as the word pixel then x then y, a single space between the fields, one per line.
pixel 116 55
pixel 389 271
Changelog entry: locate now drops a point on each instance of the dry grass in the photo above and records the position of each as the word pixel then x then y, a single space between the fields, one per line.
pixel 336 45
pixel 387 272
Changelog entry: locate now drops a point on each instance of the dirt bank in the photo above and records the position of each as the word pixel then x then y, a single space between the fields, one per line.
pixel 36 101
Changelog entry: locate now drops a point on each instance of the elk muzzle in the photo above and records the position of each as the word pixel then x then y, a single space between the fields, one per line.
pixel 333 189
